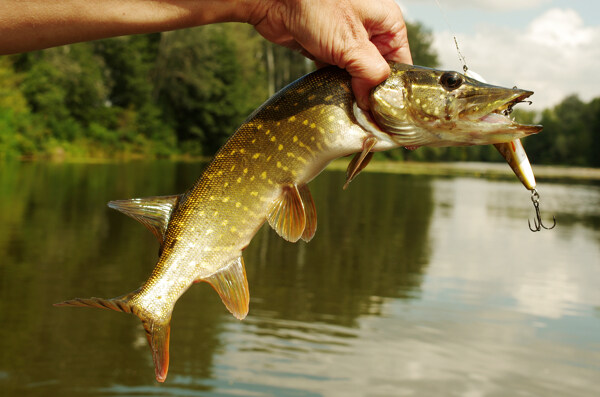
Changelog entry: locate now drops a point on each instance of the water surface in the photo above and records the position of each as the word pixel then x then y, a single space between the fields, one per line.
pixel 411 286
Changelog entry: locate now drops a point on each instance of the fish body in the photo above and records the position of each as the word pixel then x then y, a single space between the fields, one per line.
pixel 262 171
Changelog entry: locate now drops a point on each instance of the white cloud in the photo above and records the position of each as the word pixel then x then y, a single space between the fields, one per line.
pixel 555 55
pixel 558 27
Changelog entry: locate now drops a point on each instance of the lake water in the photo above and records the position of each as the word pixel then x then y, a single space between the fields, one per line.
pixel 412 286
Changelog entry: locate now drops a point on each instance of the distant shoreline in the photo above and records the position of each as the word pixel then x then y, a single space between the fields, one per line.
pixel 487 170
pixel 467 168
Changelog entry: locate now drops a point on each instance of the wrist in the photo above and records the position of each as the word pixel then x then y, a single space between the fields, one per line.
pixel 250 11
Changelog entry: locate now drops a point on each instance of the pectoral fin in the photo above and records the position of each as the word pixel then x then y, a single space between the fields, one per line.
pixel 232 286
pixel 360 160
pixel 152 212
pixel 287 214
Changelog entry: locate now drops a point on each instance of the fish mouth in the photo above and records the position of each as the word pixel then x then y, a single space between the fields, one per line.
pixel 501 115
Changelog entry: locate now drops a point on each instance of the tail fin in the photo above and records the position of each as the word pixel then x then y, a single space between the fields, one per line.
pixel 157 332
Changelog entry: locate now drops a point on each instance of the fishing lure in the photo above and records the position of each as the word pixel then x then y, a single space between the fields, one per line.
pixel 514 154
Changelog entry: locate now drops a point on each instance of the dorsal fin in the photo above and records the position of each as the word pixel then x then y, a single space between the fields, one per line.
pixel 232 286
pixel 310 212
pixel 152 212
pixel 287 215
pixel 360 160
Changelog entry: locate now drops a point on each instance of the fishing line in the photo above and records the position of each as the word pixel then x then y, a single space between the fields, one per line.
pixel 461 57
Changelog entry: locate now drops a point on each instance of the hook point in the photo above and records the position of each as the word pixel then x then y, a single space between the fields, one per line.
pixel 535 199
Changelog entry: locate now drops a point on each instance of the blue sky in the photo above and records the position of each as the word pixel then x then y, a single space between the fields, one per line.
pixel 549 46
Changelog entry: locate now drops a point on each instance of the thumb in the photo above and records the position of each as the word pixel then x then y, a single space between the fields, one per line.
pixel 367 68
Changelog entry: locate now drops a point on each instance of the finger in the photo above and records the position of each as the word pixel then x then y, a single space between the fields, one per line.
pixel 393 47
pixel 361 89
pixel 401 55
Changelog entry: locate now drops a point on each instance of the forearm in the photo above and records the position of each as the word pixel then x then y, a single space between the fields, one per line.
pixel 27 25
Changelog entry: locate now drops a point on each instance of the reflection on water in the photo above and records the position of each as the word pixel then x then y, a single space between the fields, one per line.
pixel 411 286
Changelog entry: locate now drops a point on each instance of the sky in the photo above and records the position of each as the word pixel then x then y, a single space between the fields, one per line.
pixel 551 47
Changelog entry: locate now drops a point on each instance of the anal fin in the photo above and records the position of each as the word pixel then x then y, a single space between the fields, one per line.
pixel 232 286
pixel 360 160
pixel 287 214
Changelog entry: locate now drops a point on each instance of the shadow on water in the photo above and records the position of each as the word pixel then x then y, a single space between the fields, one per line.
pixel 59 240
pixel 370 243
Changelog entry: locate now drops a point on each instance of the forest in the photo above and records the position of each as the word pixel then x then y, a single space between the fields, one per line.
pixel 183 93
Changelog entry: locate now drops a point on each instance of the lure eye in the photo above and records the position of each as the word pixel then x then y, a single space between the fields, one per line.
pixel 451 80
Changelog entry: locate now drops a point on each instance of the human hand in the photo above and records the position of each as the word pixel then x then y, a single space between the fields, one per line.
pixel 357 35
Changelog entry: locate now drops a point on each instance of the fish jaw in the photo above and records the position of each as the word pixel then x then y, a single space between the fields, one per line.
pixel 498 125
pixel 420 106
pixel 489 127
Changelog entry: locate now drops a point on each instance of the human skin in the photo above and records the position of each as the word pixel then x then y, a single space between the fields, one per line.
pixel 357 35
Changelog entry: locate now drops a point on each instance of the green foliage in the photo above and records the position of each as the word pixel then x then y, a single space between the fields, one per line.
pixel 130 61
pixel 209 79
pixel 93 99
pixel 421 39
pixel 571 134
pixel 284 66
pixel 20 134
pixel 594 128
pixel 66 82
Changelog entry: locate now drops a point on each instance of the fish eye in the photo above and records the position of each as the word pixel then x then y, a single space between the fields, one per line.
pixel 451 80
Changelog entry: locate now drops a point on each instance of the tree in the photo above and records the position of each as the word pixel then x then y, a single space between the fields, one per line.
pixel 594 149
pixel 421 40
pixel 567 137
pixel 131 63
pixel 207 90
pixel 18 132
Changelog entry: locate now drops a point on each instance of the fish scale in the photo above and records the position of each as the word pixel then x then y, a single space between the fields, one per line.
pixel 262 171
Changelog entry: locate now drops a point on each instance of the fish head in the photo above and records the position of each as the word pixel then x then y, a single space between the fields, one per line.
pixel 418 106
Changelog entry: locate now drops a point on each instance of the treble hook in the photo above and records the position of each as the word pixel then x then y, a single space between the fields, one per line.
pixel 535 199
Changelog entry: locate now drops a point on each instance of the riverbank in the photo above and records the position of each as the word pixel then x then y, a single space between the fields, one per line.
pixel 473 169
pixel 478 169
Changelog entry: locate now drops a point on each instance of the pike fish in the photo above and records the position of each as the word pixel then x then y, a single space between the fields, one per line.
pixel 261 175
